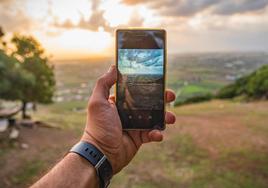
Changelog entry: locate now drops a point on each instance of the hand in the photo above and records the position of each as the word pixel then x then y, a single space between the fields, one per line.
pixel 104 129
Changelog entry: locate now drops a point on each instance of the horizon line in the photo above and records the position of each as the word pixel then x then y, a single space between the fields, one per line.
pixel 99 57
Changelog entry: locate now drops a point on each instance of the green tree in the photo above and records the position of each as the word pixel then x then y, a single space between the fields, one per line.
pixel 254 85
pixel 13 78
pixel 33 60
pixel 2 43
pixel 25 75
pixel 257 86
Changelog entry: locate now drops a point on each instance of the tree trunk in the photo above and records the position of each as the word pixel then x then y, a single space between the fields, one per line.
pixel 23 110
pixel 34 107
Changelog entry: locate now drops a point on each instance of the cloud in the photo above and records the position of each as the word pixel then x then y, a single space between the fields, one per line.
pixel 13 19
pixel 188 8
pixel 94 23
pixel 97 20
pixel 135 20
pixel 233 7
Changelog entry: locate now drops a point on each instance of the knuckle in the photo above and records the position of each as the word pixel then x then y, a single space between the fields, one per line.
pixel 94 103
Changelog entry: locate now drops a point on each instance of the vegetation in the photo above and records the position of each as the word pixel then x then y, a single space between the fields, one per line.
pixel 253 86
pixel 25 72
pixel 213 144
pixel 192 94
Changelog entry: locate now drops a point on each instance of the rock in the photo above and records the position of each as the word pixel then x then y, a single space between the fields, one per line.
pixel 3 125
pixel 14 134
pixel 24 146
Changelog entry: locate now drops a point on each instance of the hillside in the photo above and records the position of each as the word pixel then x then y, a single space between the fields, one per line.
pixel 252 86
pixel 215 144
pixel 218 144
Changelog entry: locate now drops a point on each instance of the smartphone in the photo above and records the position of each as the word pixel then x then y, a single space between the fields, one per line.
pixel 141 72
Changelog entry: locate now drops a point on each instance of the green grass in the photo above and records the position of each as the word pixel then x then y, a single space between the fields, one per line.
pixel 191 93
pixel 163 164
pixel 28 171
pixel 178 161
pixel 66 115
pixel 181 162
pixel 189 89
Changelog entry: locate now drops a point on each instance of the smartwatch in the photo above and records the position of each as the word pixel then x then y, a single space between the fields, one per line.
pixel 97 159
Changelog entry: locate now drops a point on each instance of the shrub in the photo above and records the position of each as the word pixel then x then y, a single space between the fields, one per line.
pixel 254 85
pixel 194 98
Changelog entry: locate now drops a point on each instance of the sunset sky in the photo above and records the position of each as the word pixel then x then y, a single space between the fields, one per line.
pixel 85 28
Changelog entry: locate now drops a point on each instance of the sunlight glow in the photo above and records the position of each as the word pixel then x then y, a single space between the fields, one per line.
pixel 66 30
pixel 77 39
pixel 70 10
pixel 148 15
pixel 116 13
pixel 79 43
pixel 195 22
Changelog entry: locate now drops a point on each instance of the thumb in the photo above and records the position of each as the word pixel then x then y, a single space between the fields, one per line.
pixel 104 84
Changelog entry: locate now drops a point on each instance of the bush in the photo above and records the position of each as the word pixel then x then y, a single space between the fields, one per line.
pixel 257 86
pixel 254 86
pixel 194 98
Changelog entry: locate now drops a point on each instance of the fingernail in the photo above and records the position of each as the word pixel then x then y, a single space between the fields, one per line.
pixel 111 68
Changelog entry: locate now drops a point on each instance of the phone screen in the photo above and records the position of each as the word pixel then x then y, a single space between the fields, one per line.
pixel 141 78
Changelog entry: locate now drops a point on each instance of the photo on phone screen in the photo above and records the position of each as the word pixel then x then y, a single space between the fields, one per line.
pixel 141 78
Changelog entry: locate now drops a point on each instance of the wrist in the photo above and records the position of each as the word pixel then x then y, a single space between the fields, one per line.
pixel 108 152
pixel 84 171
pixel 96 158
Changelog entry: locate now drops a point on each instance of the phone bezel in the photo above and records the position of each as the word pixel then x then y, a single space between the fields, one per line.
pixel 164 76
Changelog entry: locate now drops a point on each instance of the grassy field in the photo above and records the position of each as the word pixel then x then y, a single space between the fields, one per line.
pixel 217 144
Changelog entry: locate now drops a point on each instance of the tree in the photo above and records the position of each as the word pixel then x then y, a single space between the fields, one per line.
pixel 13 78
pixel 33 60
pixel 257 86
pixel 254 85
pixel 26 75
pixel 2 34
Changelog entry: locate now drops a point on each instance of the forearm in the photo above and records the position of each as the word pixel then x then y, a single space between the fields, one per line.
pixel 71 171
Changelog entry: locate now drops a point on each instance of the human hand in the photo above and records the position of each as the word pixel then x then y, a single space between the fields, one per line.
pixel 104 130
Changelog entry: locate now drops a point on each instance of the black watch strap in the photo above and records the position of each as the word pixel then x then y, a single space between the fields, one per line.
pixel 97 159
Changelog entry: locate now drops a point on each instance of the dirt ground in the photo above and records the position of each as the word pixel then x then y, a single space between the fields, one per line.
pixel 216 132
pixel 45 146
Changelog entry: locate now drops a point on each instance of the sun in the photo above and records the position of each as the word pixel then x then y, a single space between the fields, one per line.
pixel 115 13
pixel 80 43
